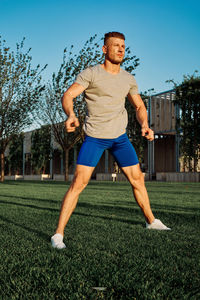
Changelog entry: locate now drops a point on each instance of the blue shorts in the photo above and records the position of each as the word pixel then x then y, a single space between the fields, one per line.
pixel 121 148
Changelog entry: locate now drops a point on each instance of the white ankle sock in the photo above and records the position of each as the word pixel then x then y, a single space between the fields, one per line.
pixel 57 241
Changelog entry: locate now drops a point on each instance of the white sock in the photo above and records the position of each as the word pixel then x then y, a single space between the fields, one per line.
pixel 57 241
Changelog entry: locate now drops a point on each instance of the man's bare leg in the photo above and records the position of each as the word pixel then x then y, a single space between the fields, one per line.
pixel 81 178
pixel 136 179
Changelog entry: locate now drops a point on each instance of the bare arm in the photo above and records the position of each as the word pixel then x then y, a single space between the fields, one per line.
pixel 141 115
pixel 67 103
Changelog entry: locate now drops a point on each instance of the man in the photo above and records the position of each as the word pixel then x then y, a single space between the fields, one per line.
pixel 106 87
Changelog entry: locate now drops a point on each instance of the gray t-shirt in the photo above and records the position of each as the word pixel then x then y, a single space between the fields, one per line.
pixel 105 97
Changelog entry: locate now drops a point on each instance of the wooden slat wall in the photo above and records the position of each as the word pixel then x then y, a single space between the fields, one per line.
pixel 173 114
pixel 163 118
pixel 155 108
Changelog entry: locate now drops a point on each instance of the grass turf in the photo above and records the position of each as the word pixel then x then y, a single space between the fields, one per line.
pixel 107 243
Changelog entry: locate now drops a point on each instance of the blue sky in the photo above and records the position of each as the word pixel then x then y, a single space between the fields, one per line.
pixel 163 34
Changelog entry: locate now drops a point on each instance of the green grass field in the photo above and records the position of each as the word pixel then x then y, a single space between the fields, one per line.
pixel 107 243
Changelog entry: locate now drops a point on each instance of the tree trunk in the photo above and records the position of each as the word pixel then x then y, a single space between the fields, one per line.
pixel 190 163
pixel 195 159
pixel 66 164
pixel 184 163
pixel 2 166
pixel 195 154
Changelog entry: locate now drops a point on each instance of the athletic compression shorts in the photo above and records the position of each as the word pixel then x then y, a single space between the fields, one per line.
pixel 121 148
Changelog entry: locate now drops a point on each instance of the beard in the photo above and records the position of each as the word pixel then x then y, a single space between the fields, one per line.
pixel 115 60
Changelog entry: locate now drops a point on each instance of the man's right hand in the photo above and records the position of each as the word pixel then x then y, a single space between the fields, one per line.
pixel 71 123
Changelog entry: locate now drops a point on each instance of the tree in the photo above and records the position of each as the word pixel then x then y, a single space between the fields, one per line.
pixel 51 108
pixel 40 149
pixel 15 156
pixel 20 90
pixel 187 97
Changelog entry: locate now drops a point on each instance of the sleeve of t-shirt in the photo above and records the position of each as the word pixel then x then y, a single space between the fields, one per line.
pixel 84 78
pixel 133 87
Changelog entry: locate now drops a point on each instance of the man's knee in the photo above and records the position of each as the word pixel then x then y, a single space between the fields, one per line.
pixel 137 179
pixel 79 182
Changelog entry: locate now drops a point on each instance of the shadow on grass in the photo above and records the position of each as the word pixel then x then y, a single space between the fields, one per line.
pixel 41 234
pixel 28 198
pixel 108 189
pixel 38 182
pixel 116 204
pixel 164 208
pixel 177 192
pixel 153 189
pixel 110 218
pixel 30 206
pixel 108 212
pixel 168 207
pixel 110 208
pixel 177 208
pixel 96 208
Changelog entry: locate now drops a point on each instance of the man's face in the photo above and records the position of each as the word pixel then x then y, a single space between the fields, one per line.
pixel 114 50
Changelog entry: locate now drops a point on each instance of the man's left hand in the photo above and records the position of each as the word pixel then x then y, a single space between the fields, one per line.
pixel 147 133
